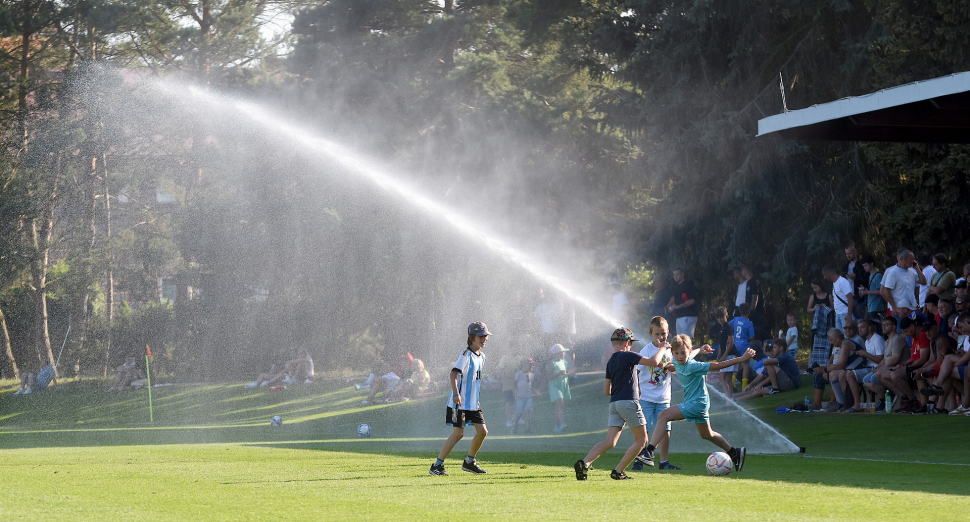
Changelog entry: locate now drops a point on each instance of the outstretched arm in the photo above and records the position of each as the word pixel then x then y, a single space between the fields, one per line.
pixel 655 359
pixel 703 349
pixel 748 354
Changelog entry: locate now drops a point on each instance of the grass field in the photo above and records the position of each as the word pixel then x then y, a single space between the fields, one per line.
pixel 77 453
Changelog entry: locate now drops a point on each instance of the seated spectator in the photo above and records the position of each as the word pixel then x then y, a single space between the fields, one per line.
pixel 413 386
pixel 830 372
pixel 781 373
pixel 384 384
pixel 873 353
pixel 951 376
pixel 33 382
pixel 901 377
pixel 298 370
pixel 264 378
pixel 895 351
pixel 126 374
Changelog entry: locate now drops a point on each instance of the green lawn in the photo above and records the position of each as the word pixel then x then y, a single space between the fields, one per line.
pixel 211 455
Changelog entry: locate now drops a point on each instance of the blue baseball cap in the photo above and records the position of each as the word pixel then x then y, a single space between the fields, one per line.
pixel 478 328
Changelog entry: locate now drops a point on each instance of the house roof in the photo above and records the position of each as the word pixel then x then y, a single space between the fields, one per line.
pixel 936 110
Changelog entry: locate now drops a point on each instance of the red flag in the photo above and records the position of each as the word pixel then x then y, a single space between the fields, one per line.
pixel 148 351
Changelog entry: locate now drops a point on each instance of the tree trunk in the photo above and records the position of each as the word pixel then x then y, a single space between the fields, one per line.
pixel 23 88
pixel 11 363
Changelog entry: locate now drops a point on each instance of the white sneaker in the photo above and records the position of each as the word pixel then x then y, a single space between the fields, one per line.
pixel 960 410
pixel 508 424
pixel 19 392
pixel 250 385
pixel 365 402
pixel 264 384
pixel 26 391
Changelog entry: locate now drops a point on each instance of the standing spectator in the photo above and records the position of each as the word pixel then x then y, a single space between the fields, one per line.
pixel 548 312
pixel 823 319
pixel 755 296
pixel 899 284
pixel 875 304
pixel 620 301
pixel 943 282
pixel 558 384
pixel 523 397
pixel 791 336
pixel 928 271
pixel 720 331
pixel 856 275
pixel 683 303
pixel 661 298
pixel 842 294
pixel 742 334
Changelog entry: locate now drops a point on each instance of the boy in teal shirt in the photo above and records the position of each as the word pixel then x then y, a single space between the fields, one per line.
pixel 696 401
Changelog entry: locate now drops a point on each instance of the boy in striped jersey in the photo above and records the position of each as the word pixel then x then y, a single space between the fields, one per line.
pixel 463 405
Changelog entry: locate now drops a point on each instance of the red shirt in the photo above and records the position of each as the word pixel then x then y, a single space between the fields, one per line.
pixel 920 343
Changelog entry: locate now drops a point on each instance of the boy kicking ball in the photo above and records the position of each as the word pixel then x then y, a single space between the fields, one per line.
pixel 463 405
pixel 623 388
pixel 696 401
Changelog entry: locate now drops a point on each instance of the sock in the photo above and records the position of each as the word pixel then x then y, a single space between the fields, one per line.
pixel 650 448
pixel 439 462
pixel 469 459
pixel 744 383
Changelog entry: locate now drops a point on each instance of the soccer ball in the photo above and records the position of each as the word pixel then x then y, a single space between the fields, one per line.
pixel 363 431
pixel 276 421
pixel 719 464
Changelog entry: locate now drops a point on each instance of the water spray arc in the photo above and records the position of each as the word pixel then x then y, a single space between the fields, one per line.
pixel 377 175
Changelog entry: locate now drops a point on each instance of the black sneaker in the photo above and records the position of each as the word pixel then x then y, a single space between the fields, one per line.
pixel 667 465
pixel 619 475
pixel 737 456
pixel 881 408
pixel 637 466
pixel 472 467
pixel 438 469
pixel 645 457
pixel 581 469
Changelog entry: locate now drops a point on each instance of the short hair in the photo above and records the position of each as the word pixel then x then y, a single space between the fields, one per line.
pixel 681 340
pixel 868 259
pixel 658 321
pixel 868 321
pixel 791 314
pixel 744 308
pixel 720 312
pixel 828 269
pixel 836 332
pixel 679 269
pixel 924 258
pixel 780 342
pixel 941 258
pixel 891 319
pixel 932 299
pixel 903 252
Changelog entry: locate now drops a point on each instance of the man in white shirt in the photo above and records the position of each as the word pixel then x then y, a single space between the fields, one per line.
pixel 899 284
pixel 841 295
pixel 874 353
pixel 928 272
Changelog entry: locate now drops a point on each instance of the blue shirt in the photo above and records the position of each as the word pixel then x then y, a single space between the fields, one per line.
pixel 788 365
pixel 624 381
pixel 691 376
pixel 743 332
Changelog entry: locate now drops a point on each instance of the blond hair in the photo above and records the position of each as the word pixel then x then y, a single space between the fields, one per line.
pixel 660 322
pixel 681 340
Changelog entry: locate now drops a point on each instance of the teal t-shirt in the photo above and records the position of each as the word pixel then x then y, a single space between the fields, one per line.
pixel 691 377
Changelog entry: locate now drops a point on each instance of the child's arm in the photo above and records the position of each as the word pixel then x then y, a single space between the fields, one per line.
pixel 655 359
pixel 748 354
pixel 727 348
pixel 454 388
pixel 608 387
pixel 791 338
pixel 703 349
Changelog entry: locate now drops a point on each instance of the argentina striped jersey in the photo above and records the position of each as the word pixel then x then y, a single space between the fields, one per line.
pixel 469 366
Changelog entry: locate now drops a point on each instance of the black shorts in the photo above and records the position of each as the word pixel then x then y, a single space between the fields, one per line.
pixel 462 418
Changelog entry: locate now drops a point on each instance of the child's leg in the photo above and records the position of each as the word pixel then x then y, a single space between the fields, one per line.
pixel 560 411
pixel 456 435
pixel 707 433
pixel 480 432
pixel 511 416
pixel 639 440
pixel 670 414
pixel 612 434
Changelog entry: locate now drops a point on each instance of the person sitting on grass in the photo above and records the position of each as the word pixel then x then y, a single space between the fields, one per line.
pixel 126 374
pixel 622 385
pixel 895 349
pixel 34 382
pixel 413 386
pixel 294 371
pixel 384 384
pixel 696 401
pixel 780 374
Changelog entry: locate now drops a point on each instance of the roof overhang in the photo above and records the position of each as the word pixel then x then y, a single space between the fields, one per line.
pixel 936 110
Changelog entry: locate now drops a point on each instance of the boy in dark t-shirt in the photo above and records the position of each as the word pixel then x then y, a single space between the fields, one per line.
pixel 623 387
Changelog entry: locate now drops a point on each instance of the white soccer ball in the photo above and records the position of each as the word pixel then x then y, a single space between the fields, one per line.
pixel 363 431
pixel 276 421
pixel 719 464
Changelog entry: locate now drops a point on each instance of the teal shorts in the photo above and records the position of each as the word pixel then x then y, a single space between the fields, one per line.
pixel 695 411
